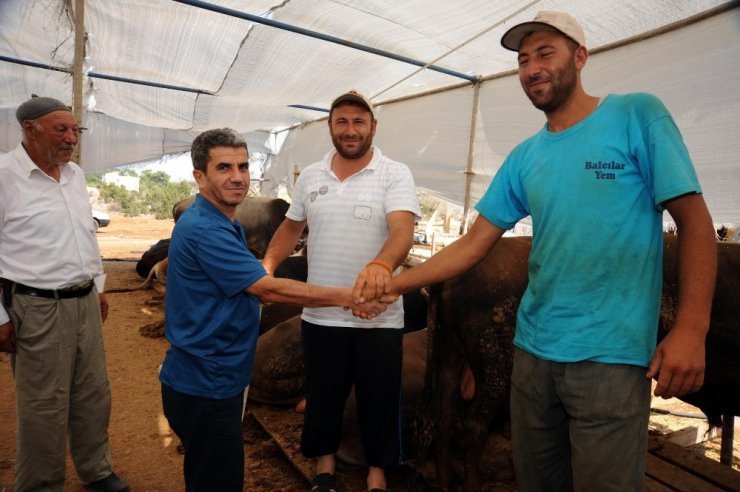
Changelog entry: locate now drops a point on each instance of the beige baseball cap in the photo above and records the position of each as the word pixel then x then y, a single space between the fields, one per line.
pixel 355 96
pixel 548 21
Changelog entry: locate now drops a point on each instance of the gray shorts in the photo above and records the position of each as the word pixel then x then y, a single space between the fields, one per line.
pixel 578 426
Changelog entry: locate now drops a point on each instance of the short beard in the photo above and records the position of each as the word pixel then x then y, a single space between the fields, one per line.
pixel 358 154
pixel 560 96
pixel 562 91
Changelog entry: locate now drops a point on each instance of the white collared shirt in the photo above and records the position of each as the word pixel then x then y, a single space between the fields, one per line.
pixel 47 235
pixel 348 227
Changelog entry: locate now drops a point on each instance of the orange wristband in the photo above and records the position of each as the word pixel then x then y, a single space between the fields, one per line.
pixel 381 263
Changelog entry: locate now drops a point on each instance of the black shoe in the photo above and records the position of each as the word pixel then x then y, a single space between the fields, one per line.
pixel 111 483
pixel 324 482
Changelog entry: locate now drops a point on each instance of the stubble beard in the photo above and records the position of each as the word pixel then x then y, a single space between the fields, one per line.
pixel 358 154
pixel 562 86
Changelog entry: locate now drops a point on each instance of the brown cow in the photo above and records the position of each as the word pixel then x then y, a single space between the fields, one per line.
pixel 260 217
pixel 471 328
pixel 278 373
pixel 472 319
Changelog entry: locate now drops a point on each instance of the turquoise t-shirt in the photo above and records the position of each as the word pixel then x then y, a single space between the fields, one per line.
pixel 595 194
pixel 210 322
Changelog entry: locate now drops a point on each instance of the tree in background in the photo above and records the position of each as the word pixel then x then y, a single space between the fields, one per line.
pixel 156 195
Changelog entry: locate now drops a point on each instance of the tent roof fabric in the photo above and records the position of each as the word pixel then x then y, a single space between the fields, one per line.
pixel 252 75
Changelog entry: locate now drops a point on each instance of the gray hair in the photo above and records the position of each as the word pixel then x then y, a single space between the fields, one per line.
pixel 219 137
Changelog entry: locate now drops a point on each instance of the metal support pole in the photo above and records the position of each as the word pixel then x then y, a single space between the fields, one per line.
pixel 324 37
pixel 79 60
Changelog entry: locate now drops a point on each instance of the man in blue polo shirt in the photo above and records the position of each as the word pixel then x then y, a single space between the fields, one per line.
pixel 214 288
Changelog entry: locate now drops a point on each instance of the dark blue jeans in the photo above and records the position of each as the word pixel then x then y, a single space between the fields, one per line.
pixel 211 433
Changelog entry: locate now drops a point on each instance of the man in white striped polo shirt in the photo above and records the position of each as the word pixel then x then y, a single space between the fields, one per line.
pixel 360 207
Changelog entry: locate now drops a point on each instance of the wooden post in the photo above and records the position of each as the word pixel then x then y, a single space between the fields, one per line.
pixel 728 431
pixel 471 150
pixel 448 219
pixel 296 173
pixel 79 60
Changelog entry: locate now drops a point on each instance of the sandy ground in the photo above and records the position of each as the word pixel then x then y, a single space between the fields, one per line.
pixel 143 447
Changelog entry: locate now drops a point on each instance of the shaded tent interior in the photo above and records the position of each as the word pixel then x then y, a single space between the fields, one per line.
pixel 452 127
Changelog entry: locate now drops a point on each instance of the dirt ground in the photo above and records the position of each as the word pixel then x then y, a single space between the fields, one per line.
pixel 143 447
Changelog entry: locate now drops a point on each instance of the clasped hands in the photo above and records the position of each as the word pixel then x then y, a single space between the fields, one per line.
pixel 372 293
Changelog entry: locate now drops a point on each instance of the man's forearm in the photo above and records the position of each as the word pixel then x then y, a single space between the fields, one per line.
pixel 282 244
pixel 287 291
pixel 697 261
pixel 697 272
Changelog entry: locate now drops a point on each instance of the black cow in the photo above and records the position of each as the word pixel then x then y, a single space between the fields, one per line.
pixel 152 256
pixel 720 394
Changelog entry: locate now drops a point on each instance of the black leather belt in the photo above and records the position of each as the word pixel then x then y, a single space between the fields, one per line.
pixel 55 293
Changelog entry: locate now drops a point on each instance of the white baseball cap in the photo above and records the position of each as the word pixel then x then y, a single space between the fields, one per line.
pixel 544 21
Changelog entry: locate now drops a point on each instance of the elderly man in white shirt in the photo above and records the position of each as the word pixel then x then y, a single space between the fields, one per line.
pixel 53 306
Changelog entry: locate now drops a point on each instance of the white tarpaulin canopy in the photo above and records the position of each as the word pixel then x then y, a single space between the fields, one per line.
pixel 249 76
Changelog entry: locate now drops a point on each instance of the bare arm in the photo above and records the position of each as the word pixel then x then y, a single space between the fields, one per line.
pixel 103 306
pixel 375 279
pixel 282 243
pixel 679 359
pixel 286 291
pixel 453 260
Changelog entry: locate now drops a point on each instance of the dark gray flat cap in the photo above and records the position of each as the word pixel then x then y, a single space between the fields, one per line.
pixel 36 107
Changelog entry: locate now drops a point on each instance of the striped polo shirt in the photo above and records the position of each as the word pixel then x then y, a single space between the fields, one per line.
pixel 347 224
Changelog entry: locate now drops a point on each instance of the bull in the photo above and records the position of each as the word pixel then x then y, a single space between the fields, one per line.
pixel 260 217
pixel 720 394
pixel 471 327
pixel 152 256
pixel 471 320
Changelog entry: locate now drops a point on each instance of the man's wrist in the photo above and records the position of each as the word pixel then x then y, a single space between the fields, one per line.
pixel 380 263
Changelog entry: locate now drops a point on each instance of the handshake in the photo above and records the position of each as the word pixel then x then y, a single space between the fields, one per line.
pixel 373 291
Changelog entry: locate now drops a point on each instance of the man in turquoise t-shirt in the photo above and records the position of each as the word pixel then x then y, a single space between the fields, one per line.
pixel 595 181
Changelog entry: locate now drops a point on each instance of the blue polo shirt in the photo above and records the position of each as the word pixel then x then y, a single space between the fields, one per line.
pixel 210 322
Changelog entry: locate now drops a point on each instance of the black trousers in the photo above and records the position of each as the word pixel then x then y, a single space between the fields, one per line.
pixel 211 432
pixel 336 358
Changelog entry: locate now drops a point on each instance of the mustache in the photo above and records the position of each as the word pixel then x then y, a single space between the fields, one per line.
pixel 536 79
